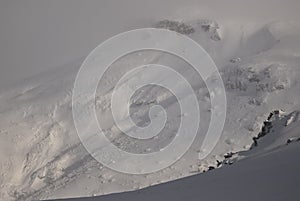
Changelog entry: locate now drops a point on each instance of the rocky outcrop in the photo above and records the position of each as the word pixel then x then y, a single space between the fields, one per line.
pixel 176 26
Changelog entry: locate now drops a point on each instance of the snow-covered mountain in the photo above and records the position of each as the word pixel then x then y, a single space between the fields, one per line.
pixel 269 171
pixel 43 158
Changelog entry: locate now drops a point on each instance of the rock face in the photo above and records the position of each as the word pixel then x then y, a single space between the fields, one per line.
pixel 265 79
pixel 259 82
pixel 209 27
pixel 212 28
pixel 267 126
pixel 179 27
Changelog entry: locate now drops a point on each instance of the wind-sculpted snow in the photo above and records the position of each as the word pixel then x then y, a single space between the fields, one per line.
pixel 42 156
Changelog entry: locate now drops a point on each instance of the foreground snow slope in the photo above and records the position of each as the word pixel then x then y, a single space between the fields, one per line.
pixel 269 177
pixel 42 157
pixel 269 171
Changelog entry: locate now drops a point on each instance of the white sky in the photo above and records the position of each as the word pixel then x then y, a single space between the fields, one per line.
pixel 36 35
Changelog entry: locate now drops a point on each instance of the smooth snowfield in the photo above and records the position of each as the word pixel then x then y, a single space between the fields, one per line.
pixel 42 157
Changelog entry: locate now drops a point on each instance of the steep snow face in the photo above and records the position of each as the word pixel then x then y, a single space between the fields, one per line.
pixel 283 130
pixel 42 157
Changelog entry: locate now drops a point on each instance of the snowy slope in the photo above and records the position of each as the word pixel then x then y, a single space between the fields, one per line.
pixel 269 171
pixel 42 157
pixel 270 177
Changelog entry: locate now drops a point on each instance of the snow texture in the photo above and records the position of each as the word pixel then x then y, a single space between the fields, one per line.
pixel 42 157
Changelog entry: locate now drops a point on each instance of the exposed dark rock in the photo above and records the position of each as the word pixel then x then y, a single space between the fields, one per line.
pixel 179 27
pixel 292 140
pixel 235 60
pixel 219 163
pixel 270 116
pixel 266 128
pixel 228 155
pixel 212 28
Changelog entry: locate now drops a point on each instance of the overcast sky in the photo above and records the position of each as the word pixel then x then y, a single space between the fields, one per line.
pixel 36 35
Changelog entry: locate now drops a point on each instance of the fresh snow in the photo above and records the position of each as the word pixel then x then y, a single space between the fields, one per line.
pixel 270 176
pixel 42 157
pixel 268 171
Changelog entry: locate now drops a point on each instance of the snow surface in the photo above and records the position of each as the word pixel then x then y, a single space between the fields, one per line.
pixel 269 171
pixel 42 157
pixel 270 176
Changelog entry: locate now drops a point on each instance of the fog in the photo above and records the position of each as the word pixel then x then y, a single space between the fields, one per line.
pixel 36 35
